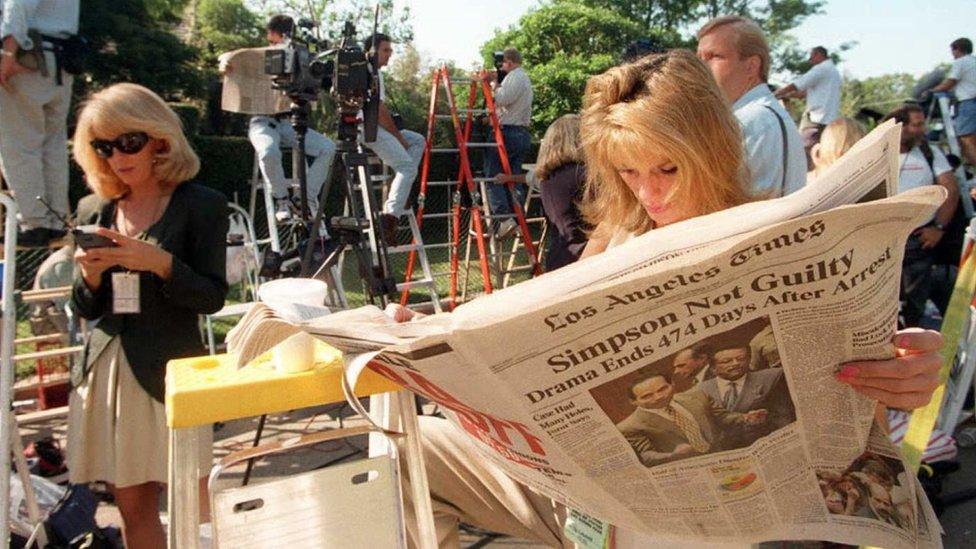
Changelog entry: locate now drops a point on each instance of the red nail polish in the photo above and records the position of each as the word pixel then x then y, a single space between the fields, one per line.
pixel 847 373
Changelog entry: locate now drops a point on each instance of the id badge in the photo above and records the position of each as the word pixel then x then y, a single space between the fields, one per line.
pixel 125 293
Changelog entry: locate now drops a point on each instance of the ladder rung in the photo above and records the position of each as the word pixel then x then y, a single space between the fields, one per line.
pixel 436 245
pixel 404 248
pixel 482 145
pixel 441 183
pixel 415 283
pixel 444 150
pixel 44 294
pixel 46 338
pixel 437 215
pixel 51 353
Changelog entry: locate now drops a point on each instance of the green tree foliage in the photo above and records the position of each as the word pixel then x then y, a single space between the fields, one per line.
pixel 227 25
pixel 562 44
pixel 776 17
pixel 878 93
pixel 331 15
pixel 129 45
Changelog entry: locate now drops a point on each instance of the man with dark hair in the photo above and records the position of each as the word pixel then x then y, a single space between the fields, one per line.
pixel 821 87
pixel 921 165
pixel 280 24
pixel 401 150
pixel 962 81
pixel 35 93
pixel 691 366
pixel 668 426
pixel 739 390
pixel 268 133
pixel 513 101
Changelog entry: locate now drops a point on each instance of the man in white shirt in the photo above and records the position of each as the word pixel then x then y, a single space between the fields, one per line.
pixel 513 104
pixel 401 150
pixel 962 81
pixel 735 50
pixel 821 87
pixel 921 165
pixel 35 93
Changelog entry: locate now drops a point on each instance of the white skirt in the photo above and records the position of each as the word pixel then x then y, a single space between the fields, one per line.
pixel 116 431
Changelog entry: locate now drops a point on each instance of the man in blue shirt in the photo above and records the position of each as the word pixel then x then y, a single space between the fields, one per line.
pixel 735 50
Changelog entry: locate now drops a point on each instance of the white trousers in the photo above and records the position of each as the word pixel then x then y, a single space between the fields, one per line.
pixel 33 145
pixel 268 135
pixel 404 162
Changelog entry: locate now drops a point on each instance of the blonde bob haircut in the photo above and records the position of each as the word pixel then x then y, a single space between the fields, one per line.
pixel 560 145
pixel 125 108
pixel 665 106
pixel 749 39
pixel 837 138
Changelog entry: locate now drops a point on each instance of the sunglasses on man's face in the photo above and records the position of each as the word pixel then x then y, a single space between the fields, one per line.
pixel 127 143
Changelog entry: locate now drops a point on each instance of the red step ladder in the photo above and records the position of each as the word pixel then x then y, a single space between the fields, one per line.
pixel 467 196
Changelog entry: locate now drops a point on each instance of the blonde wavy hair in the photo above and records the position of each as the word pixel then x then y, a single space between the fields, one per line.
pixel 560 145
pixel 666 105
pixel 125 108
pixel 837 138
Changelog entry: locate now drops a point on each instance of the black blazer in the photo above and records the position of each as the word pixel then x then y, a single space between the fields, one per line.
pixel 194 229
pixel 567 234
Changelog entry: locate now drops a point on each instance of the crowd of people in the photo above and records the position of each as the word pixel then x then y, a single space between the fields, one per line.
pixel 661 139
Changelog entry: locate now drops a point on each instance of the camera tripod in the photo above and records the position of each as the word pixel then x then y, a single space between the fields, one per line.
pixel 359 230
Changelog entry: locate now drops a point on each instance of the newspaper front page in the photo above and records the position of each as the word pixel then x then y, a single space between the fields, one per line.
pixel 574 382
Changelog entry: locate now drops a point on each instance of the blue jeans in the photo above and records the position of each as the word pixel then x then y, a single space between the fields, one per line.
pixel 518 140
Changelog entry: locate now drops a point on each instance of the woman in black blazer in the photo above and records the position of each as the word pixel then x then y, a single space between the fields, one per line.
pixel 163 266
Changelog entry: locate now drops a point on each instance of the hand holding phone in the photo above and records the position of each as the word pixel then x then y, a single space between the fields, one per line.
pixel 86 238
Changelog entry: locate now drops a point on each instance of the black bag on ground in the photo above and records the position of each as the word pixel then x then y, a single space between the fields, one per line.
pixel 71 524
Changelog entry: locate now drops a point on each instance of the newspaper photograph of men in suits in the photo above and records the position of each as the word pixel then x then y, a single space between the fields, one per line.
pixel 664 418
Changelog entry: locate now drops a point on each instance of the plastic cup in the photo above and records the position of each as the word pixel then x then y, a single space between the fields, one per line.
pixel 306 291
pixel 295 354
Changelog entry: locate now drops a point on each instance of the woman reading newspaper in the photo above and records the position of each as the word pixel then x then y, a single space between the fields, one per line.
pixel 662 146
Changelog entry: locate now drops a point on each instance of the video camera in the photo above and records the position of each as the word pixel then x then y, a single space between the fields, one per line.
pixel 305 66
pixel 499 58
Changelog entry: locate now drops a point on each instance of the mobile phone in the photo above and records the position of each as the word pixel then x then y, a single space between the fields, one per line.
pixel 87 238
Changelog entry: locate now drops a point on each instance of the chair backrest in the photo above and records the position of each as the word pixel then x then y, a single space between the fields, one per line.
pixel 243 256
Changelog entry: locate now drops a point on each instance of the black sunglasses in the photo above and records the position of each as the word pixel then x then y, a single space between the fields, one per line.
pixel 127 143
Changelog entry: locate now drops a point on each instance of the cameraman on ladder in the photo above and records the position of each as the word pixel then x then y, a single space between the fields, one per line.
pixel 267 133
pixel 513 99
pixel 401 150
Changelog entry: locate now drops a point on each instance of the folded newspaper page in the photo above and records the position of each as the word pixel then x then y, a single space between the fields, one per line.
pixel 577 383
pixel 247 89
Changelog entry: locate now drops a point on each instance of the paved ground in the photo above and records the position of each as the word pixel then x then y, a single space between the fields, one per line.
pixel 957 520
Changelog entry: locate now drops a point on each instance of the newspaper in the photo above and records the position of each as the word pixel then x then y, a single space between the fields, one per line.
pixel 247 89
pixel 568 381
